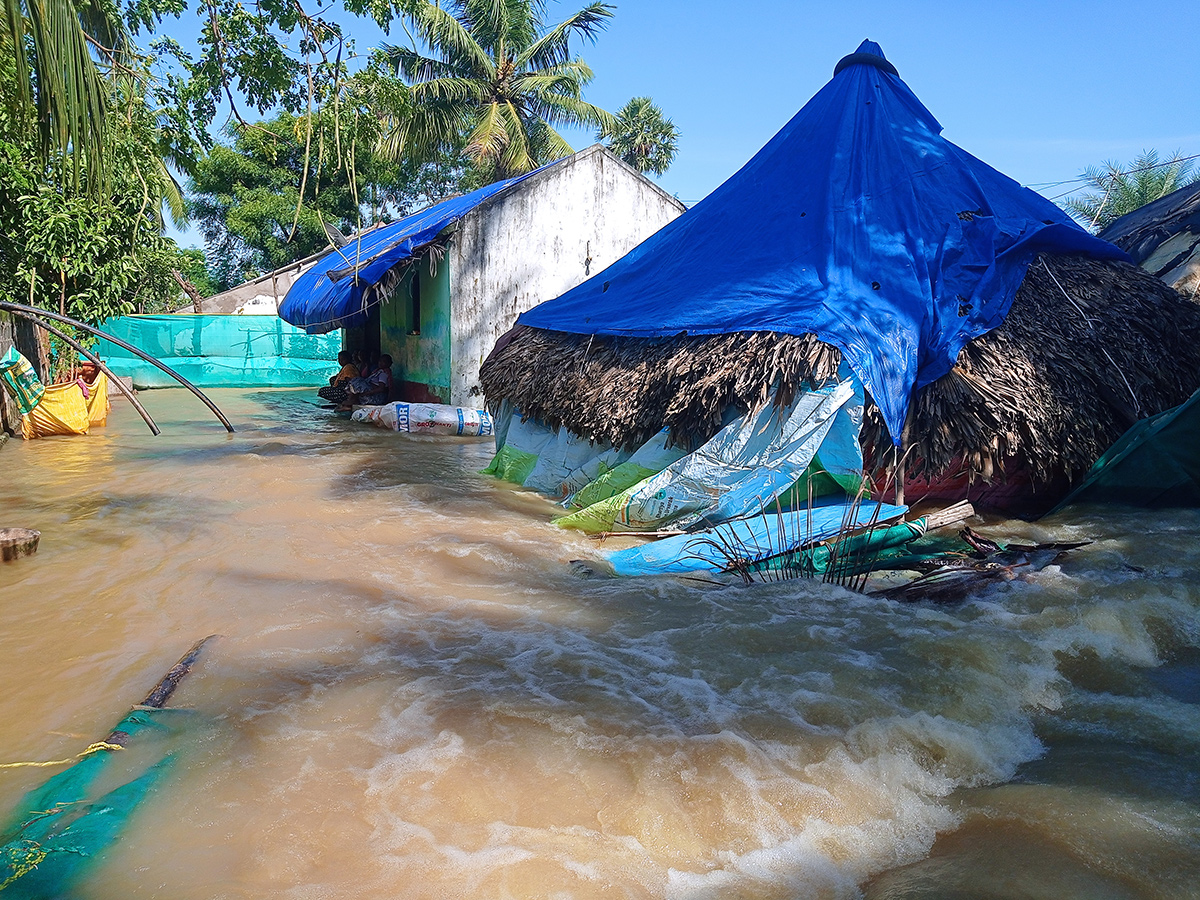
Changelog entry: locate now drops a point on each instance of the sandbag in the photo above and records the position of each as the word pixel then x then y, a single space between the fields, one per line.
pixel 428 418
pixel 62 410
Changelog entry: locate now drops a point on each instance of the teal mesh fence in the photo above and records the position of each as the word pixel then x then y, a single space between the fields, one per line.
pixel 221 351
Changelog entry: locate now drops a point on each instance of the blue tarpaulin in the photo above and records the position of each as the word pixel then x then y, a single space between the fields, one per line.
pixel 857 222
pixel 336 291
pixel 757 538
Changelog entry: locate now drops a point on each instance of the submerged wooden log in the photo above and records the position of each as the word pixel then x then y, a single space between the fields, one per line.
pixel 18 542
pixel 162 692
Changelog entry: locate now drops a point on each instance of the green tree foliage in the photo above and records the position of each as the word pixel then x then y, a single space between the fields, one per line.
pixel 246 195
pixel 498 74
pixel 642 136
pixel 59 102
pixel 88 245
pixel 1116 190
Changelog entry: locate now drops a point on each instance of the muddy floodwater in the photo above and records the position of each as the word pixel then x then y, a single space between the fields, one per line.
pixel 415 695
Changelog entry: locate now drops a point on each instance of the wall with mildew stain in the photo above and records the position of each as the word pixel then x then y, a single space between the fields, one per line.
pixel 538 240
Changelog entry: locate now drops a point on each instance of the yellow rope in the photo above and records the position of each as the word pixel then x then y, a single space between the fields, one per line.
pixel 94 748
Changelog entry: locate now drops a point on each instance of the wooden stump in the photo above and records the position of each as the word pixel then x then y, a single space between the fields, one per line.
pixel 18 542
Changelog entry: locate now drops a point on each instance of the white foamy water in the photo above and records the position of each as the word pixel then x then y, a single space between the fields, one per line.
pixel 415 695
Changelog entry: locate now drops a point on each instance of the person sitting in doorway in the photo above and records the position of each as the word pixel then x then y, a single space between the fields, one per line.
pixel 373 389
pixel 338 388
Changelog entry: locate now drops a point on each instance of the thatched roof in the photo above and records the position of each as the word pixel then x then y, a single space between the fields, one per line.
pixel 1088 347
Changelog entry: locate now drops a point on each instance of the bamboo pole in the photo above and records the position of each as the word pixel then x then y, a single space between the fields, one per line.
pixel 32 312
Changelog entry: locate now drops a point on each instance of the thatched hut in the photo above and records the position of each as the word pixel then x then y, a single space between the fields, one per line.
pixel 1001 347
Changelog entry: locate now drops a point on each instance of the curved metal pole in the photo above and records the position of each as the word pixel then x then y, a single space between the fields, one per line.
pixel 95 360
pixel 20 307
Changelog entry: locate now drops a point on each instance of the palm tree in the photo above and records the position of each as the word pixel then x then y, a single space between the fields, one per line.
pixel 59 86
pixel 498 75
pixel 643 136
pixel 1116 191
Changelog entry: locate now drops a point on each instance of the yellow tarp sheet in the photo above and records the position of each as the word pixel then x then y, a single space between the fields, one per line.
pixel 97 404
pixel 62 410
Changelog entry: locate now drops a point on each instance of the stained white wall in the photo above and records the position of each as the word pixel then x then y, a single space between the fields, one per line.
pixel 537 241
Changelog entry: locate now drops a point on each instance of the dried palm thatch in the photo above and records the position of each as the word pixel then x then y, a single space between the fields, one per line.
pixel 1088 347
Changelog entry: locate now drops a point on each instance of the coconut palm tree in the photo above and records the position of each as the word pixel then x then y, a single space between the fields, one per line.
pixel 496 73
pixel 643 136
pixel 58 85
pixel 1116 190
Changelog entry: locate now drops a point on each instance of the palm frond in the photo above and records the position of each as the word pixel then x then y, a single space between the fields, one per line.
pixel 502 26
pixel 516 158
pixel 172 195
pixel 445 33
pixel 539 85
pixel 489 138
pixel 547 145
pixel 449 90
pixel 554 47
pixel 67 91
pixel 557 109
pixel 415 67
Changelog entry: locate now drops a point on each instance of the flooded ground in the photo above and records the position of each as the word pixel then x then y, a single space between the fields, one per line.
pixel 414 696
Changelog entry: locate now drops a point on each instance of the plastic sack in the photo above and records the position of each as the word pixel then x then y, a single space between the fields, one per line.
pixel 520 444
pixel 551 460
pixel 63 410
pixel 428 418
pixel 21 380
pixel 568 462
pixel 649 459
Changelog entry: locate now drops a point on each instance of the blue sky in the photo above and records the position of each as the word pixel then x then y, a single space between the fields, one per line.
pixel 1038 90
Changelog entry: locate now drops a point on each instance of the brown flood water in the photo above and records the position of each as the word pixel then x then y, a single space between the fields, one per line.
pixel 415 696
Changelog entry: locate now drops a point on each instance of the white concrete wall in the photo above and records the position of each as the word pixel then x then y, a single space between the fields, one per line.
pixel 537 241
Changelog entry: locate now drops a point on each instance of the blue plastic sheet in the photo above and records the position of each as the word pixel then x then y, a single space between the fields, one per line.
pixel 754 538
pixel 742 469
pixel 857 222
pixel 336 291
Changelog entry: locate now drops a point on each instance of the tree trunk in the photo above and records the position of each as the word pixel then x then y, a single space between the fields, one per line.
pixel 30 343
pixel 18 542
pixel 191 290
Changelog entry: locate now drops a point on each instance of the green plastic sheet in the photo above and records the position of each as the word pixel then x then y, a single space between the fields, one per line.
pixel 1156 463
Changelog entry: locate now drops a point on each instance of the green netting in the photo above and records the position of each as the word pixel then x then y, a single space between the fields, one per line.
pixel 221 351
pixel 851 555
pixel 59 829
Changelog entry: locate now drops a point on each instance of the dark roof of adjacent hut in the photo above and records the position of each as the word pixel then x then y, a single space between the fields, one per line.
pixel 859 223
pixel 1163 237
